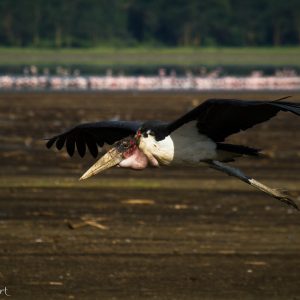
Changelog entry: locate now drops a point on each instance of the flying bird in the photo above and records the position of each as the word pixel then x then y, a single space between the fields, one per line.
pixel 195 139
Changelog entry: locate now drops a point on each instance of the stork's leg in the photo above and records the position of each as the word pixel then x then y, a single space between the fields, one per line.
pixel 276 193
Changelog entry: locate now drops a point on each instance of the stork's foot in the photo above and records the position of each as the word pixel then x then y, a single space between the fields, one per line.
pixel 285 197
pixel 281 195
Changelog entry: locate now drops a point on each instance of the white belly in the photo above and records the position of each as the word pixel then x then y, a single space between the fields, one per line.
pixel 190 147
pixel 185 146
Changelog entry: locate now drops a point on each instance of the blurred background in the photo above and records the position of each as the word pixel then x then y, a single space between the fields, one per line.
pixel 158 234
pixel 136 44
pixel 130 23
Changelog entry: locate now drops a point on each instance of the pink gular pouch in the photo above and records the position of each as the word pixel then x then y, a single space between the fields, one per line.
pixel 135 159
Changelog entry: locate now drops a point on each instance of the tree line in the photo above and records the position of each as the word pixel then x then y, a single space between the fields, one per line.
pixel 191 23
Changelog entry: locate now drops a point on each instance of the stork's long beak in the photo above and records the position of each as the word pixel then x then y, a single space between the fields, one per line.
pixel 110 159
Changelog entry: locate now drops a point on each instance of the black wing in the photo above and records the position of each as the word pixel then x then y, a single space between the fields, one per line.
pixel 93 134
pixel 219 118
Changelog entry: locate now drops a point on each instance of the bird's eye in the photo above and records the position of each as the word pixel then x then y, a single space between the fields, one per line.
pixel 125 144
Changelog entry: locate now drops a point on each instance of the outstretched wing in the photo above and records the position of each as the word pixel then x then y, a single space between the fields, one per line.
pixel 93 135
pixel 219 118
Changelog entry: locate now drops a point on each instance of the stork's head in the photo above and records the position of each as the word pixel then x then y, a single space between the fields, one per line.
pixel 124 153
pixel 136 152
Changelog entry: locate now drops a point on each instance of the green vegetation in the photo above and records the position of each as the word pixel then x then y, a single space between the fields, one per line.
pixel 184 56
pixel 128 23
pixel 143 33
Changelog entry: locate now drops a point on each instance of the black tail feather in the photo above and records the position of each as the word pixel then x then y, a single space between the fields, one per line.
pixel 288 106
pixel 239 149
pixel 282 98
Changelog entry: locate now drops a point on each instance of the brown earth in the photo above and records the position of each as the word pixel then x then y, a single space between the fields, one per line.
pixel 156 234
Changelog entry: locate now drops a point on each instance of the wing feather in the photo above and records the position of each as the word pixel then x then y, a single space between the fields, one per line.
pixel 70 144
pixel 92 145
pixel 80 145
pixel 220 118
pixel 93 134
pixel 60 142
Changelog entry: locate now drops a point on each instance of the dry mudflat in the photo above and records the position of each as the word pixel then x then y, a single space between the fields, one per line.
pixel 156 234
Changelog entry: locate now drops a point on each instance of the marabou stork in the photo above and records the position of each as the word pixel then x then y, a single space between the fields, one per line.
pixel 195 139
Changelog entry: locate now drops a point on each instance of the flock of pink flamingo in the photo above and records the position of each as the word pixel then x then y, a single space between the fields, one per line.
pixel 31 80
